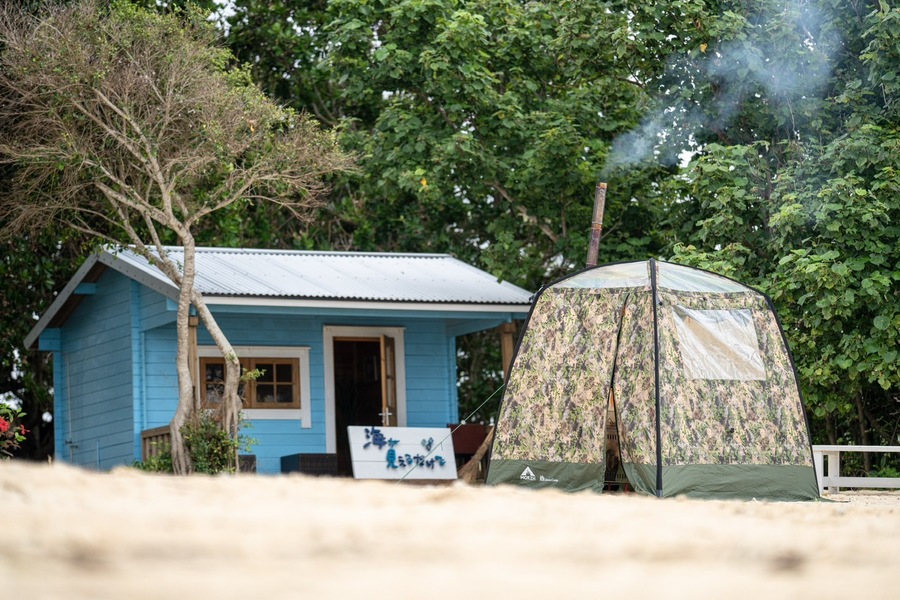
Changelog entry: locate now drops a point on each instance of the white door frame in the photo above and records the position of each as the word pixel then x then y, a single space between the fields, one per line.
pixel 337 331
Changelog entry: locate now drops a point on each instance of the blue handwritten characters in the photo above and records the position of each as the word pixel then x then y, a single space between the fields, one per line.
pixel 375 437
pixel 392 454
pixel 395 460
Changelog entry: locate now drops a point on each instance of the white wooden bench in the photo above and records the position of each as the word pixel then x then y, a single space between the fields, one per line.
pixel 833 480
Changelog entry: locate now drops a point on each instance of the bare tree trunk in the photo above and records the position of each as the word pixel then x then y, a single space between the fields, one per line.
pixel 231 401
pixel 181 462
pixel 829 429
pixel 188 407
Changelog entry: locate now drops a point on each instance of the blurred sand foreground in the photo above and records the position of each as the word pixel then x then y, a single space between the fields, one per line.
pixel 68 533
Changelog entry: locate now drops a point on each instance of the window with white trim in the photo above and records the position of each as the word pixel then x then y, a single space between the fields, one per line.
pixel 277 384
pixel 282 390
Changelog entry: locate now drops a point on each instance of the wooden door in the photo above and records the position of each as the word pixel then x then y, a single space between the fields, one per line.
pixel 388 382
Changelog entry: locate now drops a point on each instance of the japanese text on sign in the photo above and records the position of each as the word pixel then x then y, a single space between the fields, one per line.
pixel 401 453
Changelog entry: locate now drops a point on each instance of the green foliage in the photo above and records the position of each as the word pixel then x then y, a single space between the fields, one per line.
pixel 482 126
pixel 481 129
pixel 281 42
pixel 885 471
pixel 211 449
pixel 810 214
pixel 161 462
pixel 12 432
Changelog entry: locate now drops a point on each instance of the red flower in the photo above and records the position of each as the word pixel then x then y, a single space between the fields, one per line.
pixel 22 428
pixel 4 425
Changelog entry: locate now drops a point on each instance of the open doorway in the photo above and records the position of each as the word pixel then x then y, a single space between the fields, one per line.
pixel 364 387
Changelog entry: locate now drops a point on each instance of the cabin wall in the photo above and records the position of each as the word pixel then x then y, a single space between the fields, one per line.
pixel 430 375
pixel 430 396
pixel 116 374
pixel 430 360
pixel 159 388
pixel 93 406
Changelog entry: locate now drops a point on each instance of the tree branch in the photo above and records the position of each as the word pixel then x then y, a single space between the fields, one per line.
pixel 545 229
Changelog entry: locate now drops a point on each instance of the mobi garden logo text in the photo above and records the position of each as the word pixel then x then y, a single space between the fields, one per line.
pixel 528 475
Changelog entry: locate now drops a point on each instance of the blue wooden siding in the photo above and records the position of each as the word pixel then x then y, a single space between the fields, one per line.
pixel 430 375
pixel 430 401
pixel 161 378
pixel 160 385
pixel 95 421
pixel 116 375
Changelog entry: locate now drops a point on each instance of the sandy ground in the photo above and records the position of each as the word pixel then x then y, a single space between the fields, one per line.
pixel 68 533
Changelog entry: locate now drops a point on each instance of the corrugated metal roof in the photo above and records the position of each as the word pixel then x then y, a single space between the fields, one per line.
pixel 382 277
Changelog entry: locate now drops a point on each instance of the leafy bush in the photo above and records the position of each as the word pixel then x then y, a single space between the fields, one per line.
pixel 885 469
pixel 210 448
pixel 11 433
pixel 161 462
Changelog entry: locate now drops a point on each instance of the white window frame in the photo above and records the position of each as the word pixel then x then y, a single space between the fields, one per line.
pixel 718 344
pixel 301 353
pixel 330 332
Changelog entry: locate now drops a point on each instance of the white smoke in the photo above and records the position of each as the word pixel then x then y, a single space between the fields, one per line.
pixel 740 71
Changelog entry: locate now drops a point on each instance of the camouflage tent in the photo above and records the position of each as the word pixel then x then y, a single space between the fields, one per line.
pixel 660 377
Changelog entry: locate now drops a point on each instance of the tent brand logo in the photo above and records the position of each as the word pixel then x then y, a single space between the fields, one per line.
pixel 549 480
pixel 527 474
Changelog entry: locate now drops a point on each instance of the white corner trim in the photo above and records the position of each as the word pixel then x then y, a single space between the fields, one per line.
pixel 301 353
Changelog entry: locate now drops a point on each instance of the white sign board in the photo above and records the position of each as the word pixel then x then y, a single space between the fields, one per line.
pixel 402 453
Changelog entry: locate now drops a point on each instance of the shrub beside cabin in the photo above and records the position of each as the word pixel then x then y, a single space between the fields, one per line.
pixel 343 338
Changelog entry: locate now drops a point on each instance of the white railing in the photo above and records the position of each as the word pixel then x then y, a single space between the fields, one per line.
pixel 833 480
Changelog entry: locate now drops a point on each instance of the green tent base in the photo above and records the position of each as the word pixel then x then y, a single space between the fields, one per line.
pixel 545 474
pixel 722 482
pixel 731 482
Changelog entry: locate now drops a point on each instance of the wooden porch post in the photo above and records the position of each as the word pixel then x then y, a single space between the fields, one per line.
pixel 194 360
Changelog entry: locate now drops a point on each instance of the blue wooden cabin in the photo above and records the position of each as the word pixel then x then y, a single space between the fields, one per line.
pixel 343 339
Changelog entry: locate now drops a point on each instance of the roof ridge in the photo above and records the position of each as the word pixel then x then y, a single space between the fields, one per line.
pixel 223 250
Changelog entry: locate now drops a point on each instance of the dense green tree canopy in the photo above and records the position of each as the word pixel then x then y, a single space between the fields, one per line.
pixel 800 199
pixel 483 126
pixel 129 126
pixel 755 139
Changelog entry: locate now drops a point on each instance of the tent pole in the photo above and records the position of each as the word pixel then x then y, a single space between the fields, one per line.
pixel 596 223
pixel 653 288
